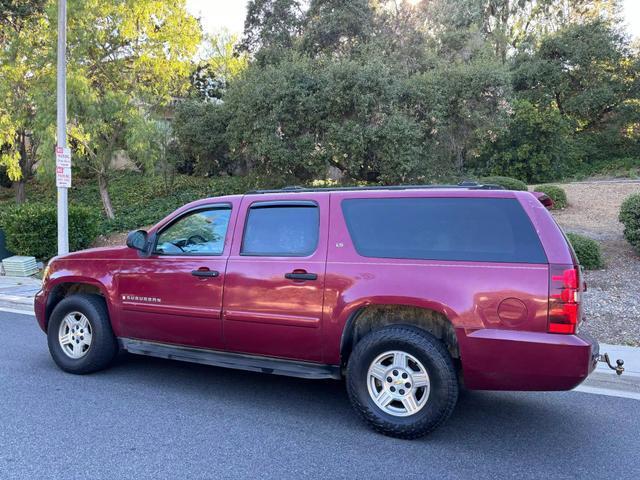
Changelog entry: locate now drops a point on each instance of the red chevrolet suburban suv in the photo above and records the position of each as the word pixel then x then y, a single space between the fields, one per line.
pixel 408 292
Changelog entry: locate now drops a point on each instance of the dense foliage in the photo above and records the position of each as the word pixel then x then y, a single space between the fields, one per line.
pixel 587 251
pixel 555 193
pixel 138 200
pixel 506 182
pixel 365 91
pixel 394 92
pixel 31 229
pixel 126 61
pixel 630 218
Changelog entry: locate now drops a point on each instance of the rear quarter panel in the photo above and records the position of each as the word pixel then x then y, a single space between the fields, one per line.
pixel 549 233
pixel 467 293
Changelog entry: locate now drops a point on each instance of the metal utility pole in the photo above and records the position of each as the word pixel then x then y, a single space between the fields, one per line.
pixel 63 217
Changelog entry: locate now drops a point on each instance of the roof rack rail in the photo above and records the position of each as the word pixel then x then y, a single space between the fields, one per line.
pixel 296 188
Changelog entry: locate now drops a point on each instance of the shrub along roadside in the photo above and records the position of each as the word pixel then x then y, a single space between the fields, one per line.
pixel 139 200
pixel 31 229
pixel 587 251
pixel 555 193
pixel 506 182
pixel 630 218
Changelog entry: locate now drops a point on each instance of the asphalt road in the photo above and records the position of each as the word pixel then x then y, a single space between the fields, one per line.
pixel 149 418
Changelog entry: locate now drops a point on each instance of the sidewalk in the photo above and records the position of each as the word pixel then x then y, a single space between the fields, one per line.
pixel 16 293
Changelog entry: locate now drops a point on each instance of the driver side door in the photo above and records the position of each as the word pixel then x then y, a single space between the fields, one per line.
pixel 175 295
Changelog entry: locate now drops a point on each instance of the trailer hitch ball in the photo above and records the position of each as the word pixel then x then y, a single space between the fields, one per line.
pixel 619 363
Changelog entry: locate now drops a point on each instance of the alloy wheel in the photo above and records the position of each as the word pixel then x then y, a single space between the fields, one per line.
pixel 398 383
pixel 75 335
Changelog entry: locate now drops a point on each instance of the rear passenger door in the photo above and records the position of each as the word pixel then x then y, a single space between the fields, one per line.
pixel 275 277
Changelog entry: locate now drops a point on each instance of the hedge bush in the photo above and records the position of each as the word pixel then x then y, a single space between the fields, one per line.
pixel 31 229
pixel 141 201
pixel 555 193
pixel 506 182
pixel 587 251
pixel 630 218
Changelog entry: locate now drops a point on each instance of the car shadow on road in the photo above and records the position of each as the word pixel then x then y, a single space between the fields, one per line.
pixel 501 418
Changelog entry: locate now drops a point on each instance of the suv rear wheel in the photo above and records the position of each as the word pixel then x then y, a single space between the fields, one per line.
pixel 401 381
pixel 79 334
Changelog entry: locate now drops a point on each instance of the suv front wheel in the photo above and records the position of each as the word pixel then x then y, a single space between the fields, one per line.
pixel 401 381
pixel 79 334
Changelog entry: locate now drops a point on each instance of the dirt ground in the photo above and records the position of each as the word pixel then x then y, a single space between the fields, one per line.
pixel 612 301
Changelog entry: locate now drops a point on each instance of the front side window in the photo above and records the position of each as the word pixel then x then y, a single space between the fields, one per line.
pixel 464 229
pixel 198 233
pixel 282 230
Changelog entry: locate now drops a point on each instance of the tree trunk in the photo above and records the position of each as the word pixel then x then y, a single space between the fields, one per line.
pixel 104 196
pixel 25 169
pixel 21 194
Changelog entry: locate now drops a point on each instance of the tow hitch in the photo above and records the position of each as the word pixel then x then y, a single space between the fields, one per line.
pixel 619 363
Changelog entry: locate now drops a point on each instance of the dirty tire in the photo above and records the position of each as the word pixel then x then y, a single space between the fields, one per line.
pixel 434 357
pixel 104 346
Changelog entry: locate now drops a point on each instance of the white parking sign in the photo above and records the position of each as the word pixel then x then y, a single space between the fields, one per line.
pixel 63 167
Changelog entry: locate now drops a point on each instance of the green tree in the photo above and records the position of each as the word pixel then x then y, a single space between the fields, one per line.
pixel 271 28
pixel 200 130
pixel 508 24
pixel 336 26
pixel 13 13
pixel 349 97
pixel 589 74
pixel 537 146
pixel 24 41
pixel 219 64
pixel 127 59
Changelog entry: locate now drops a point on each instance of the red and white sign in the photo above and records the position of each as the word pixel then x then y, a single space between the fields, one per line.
pixel 63 167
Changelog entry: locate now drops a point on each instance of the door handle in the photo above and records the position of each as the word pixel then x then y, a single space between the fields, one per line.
pixel 205 273
pixel 300 276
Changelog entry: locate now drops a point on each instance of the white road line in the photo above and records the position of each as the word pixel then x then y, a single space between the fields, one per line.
pixel 607 391
pixel 17 299
pixel 15 310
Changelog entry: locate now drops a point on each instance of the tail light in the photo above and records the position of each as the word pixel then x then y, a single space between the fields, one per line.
pixel 564 298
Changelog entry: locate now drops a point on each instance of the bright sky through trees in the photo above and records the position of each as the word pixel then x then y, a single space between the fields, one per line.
pixel 217 15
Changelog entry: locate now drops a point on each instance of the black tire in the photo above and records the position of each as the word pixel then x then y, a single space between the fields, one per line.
pixel 436 360
pixel 104 346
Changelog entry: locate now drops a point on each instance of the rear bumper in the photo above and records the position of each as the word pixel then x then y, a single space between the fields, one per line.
pixel 39 307
pixel 512 360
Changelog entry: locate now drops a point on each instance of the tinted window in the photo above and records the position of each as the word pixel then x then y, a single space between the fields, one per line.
pixel 285 230
pixel 473 229
pixel 198 233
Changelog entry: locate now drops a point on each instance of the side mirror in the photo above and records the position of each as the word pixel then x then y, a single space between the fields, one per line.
pixel 137 240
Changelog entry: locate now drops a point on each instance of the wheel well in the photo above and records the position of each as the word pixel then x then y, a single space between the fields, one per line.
pixel 62 290
pixel 374 317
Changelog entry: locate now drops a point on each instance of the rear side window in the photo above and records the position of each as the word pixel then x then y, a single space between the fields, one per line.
pixel 465 229
pixel 286 230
